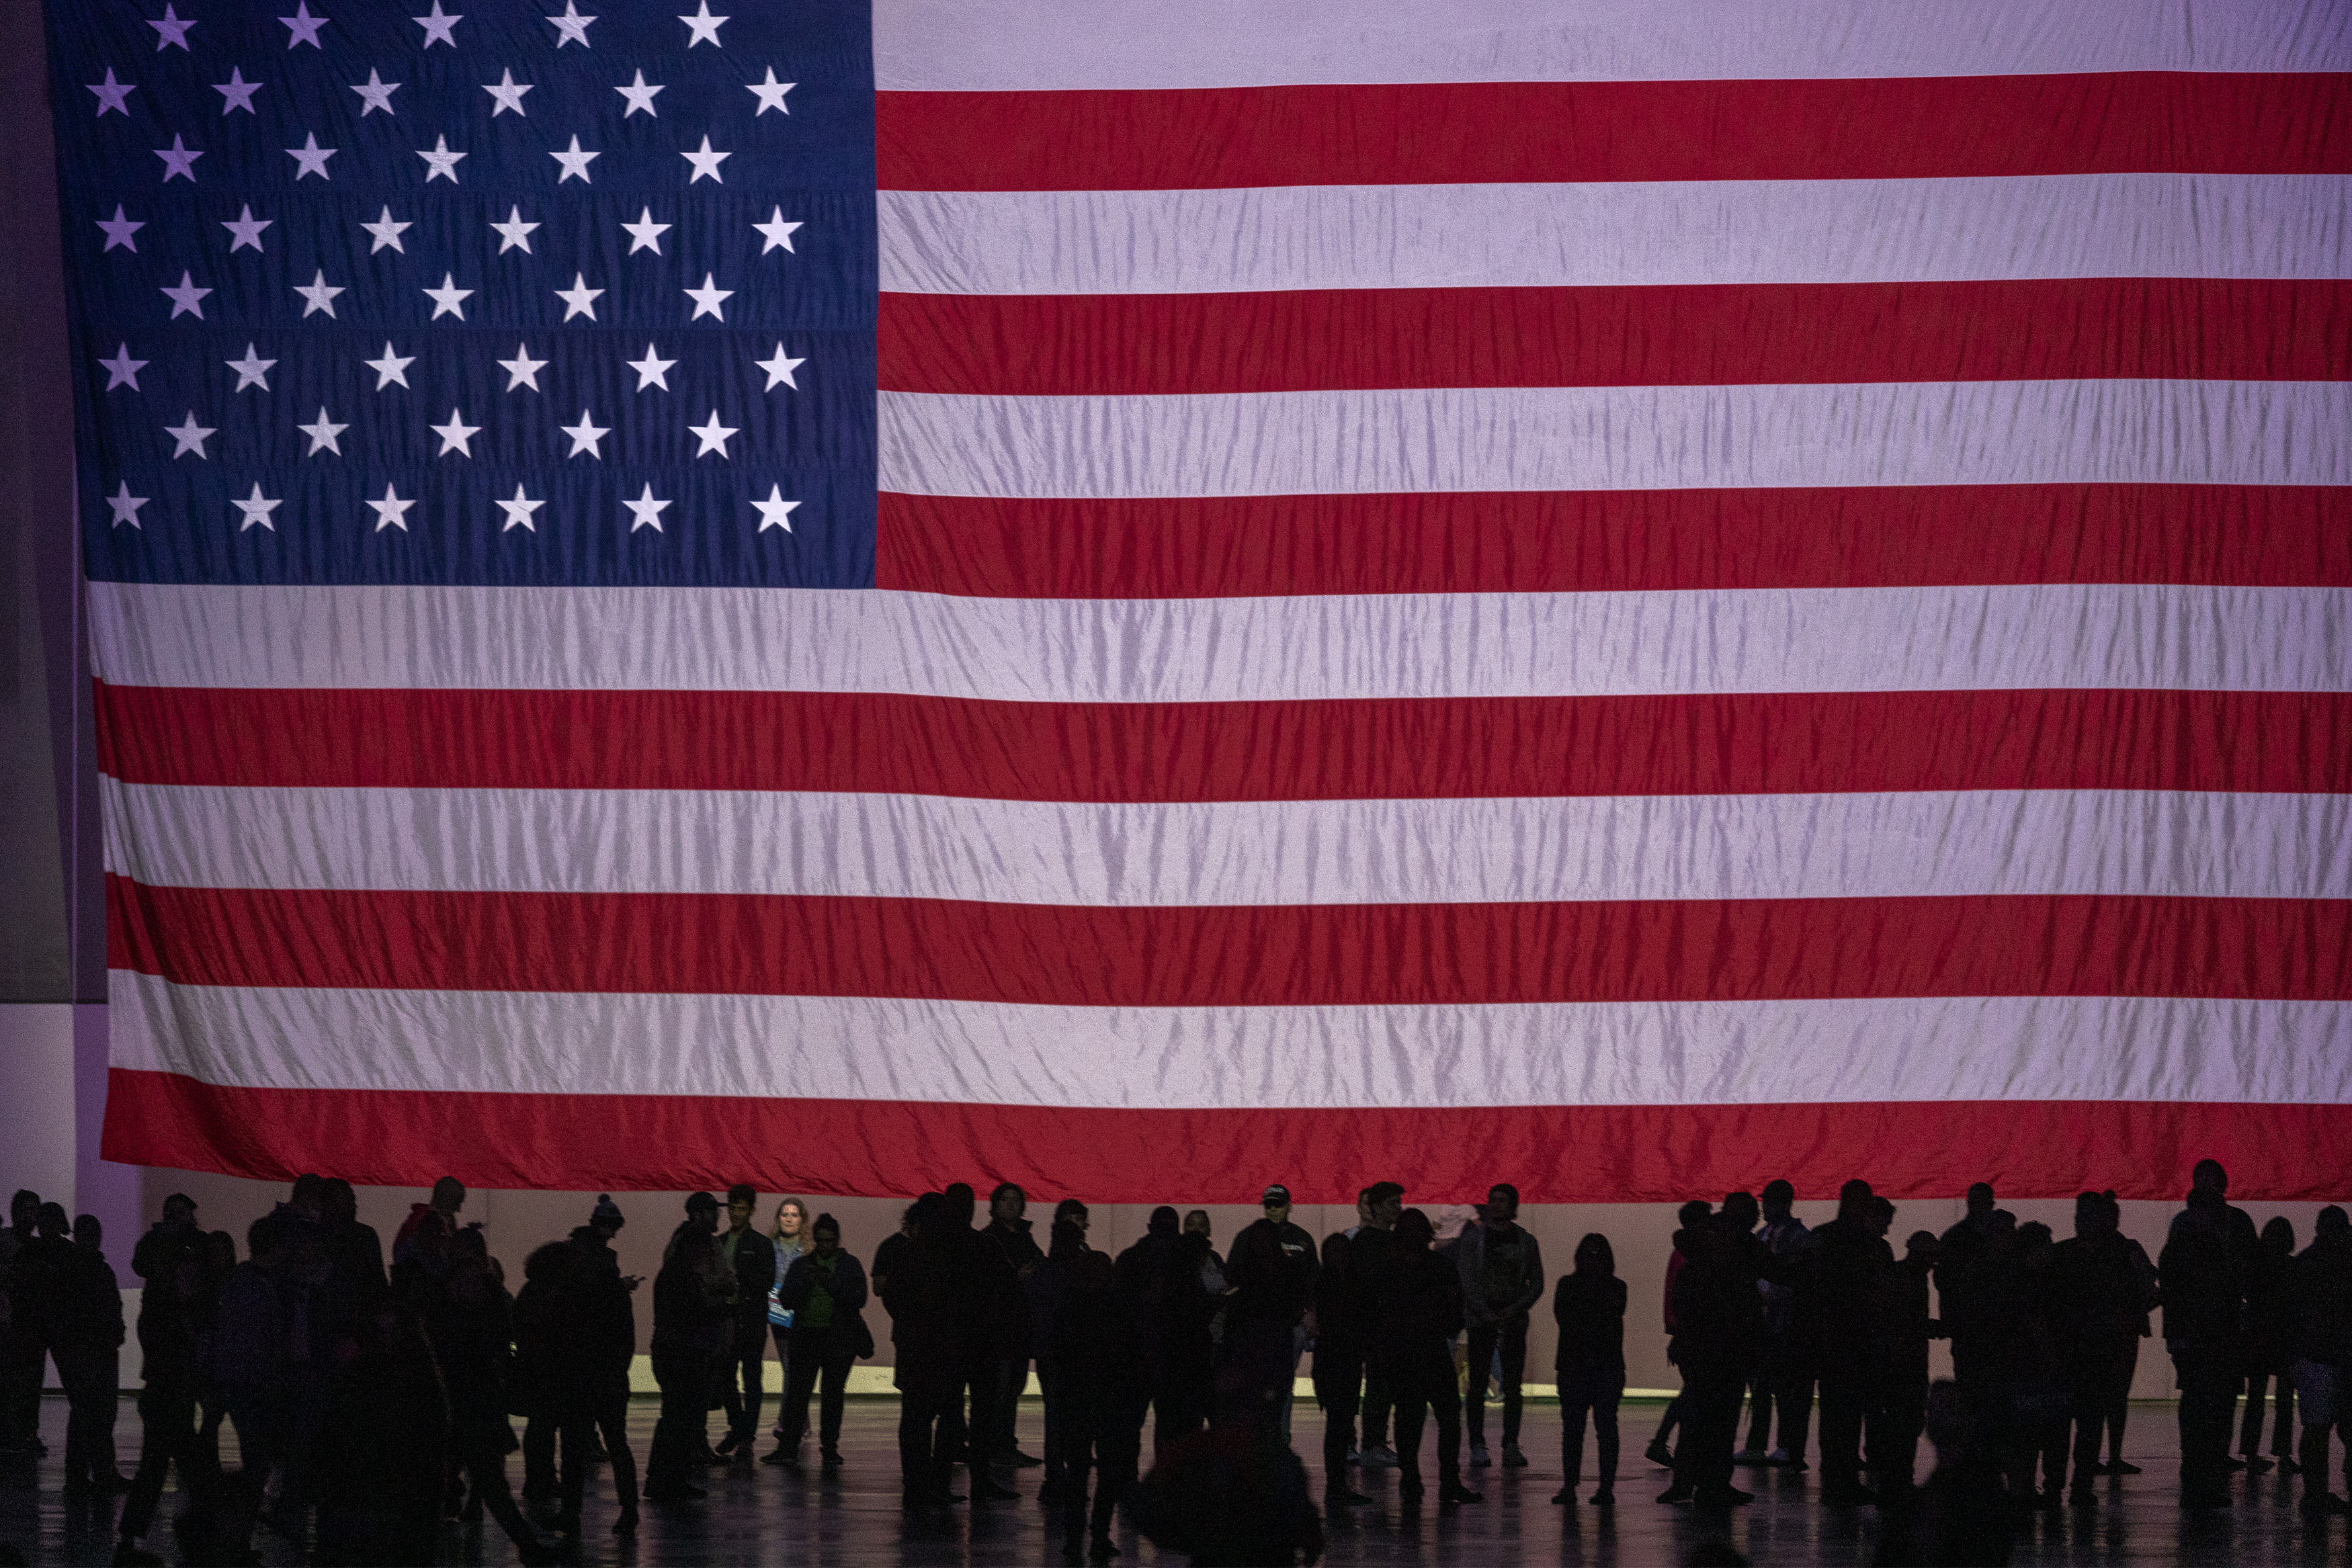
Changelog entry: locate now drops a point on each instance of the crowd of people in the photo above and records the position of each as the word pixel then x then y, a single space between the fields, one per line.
pixel 372 1396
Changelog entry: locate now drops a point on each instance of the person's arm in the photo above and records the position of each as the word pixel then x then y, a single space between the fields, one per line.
pixel 1531 1275
pixel 848 1284
pixel 1468 1256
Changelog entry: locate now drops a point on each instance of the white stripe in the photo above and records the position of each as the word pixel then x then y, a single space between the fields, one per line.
pixel 1014 45
pixel 1625 233
pixel 1619 438
pixel 1919 844
pixel 1589 1054
pixel 1960 638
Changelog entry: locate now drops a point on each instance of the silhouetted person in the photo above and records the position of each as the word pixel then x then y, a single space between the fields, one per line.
pixel 2029 1348
pixel 1232 1498
pixel 1421 1312
pixel 743 1367
pixel 169 1262
pixel 1043 1289
pixel 88 1350
pixel 1910 1326
pixel 692 1299
pixel 354 1250
pixel 2095 1311
pixel 1144 1271
pixel 1689 1215
pixel 1371 1246
pixel 1588 1364
pixel 1852 1267
pixel 245 1353
pixel 22 1354
pixel 1961 1254
pixel 38 1290
pixel 1186 1391
pixel 546 1383
pixel 607 1343
pixel 2207 1255
pixel 826 1291
pixel 1008 1227
pixel 2270 1349
pixel 1719 1324
pixel 984 1324
pixel 1502 1280
pixel 1784 1376
pixel 383 1447
pixel 1096 1349
pixel 2320 1296
pixel 448 1201
pixel 1342 1337
pixel 1271 1270
pixel 469 1322
pixel 920 1290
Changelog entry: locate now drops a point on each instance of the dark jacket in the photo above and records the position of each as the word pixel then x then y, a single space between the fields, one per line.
pixel 1718 1312
pixel 926 1301
pixel 847 1289
pixel 607 1333
pixel 1851 1273
pixel 2320 1288
pixel 2095 1297
pixel 169 1261
pixel 1272 1269
pixel 690 1313
pixel 1420 1310
pixel 755 1272
pixel 1591 1312
pixel 2205 1267
pixel 1527 1280
pixel 93 1323
pixel 40 1291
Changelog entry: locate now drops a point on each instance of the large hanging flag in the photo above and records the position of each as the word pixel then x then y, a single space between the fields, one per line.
pixel 1144 598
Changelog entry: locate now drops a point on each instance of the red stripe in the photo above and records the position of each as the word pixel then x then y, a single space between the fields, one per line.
pixel 1277 955
pixel 1677 335
pixel 1389 748
pixel 1614 541
pixel 1446 133
pixel 1554 1154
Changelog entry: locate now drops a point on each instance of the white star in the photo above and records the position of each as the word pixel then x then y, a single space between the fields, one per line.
pixel 645 510
pixel 645 234
pixel 713 434
pixel 770 94
pixel 455 437
pixel 579 299
pixel 585 436
pixel 440 164
pixel 571 27
pixel 188 299
pixel 126 506
pixel 706 164
pixel 391 367
pixel 776 230
pixel 706 299
pixel 303 27
pixel 702 27
pixel 311 157
pixel 252 370
pixel 119 230
pixel 189 437
pixel 519 511
pixel 639 94
pixel 775 512
pixel 237 92
pixel 392 512
pixel 257 508
pixel 318 294
pixel 575 163
pixel 170 32
pixel 514 234
pixel 437 27
pixel 246 229
pixel 448 299
pixel 111 94
pixel 122 371
pixel 653 370
pixel 322 433
pixel 375 93
pixel 387 231
pixel 178 162
pixel 507 94
pixel 781 369
pixel 522 370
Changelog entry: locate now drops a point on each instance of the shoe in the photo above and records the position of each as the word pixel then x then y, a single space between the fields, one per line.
pixel 2288 1465
pixel 2256 1465
pixel 830 1459
pixel 1565 1497
pixel 2234 1465
pixel 728 1444
pixel 1345 1497
pixel 1356 1456
pixel 1102 1551
pixel 1052 1492
pixel 1454 1495
pixel 1752 1459
pixel 1604 1498
pixel 1725 1497
pixel 1657 1453
pixel 2314 1505
pixel 1380 1458
pixel 1777 1456
pixel 1795 1466
pixel 1512 1459
pixel 987 1491
pixel 1019 1460
pixel 2121 1468
pixel 627 1523
pixel 1478 1459
pixel 1408 1494
pixel 1675 1494
pixel 788 1462
pixel 712 1458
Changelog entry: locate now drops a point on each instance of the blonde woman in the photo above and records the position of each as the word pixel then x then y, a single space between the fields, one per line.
pixel 790 1232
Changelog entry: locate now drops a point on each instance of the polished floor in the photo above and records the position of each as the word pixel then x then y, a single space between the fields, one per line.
pixel 755 1515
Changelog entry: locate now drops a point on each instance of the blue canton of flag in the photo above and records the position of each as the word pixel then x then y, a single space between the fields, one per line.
pixel 502 295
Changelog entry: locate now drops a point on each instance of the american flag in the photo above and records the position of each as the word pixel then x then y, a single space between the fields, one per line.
pixel 1148 598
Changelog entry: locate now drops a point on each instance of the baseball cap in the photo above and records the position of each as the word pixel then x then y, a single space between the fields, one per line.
pixel 701 1200
pixel 1277 1193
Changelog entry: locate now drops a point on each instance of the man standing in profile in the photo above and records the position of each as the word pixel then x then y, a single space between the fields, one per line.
pixel 2208 1257
pixel 1008 1227
pixel 1272 1272
pixel 742 1369
pixel 1342 1343
pixel 1502 1277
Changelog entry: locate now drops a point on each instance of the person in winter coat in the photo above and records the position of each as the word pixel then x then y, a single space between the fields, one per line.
pixel 1421 1312
pixel 921 1292
pixel 1851 1268
pixel 1502 1280
pixel 691 1306
pixel 1008 1227
pixel 1588 1306
pixel 1910 1326
pixel 2209 1257
pixel 2094 1292
pixel 2320 1297
pixel 89 1351
pixel 825 1289
pixel 606 1340
pixel 1096 1350
pixel 244 1355
pixel 170 1260
pixel 469 1322
pixel 2269 1351
pixel 1718 1316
